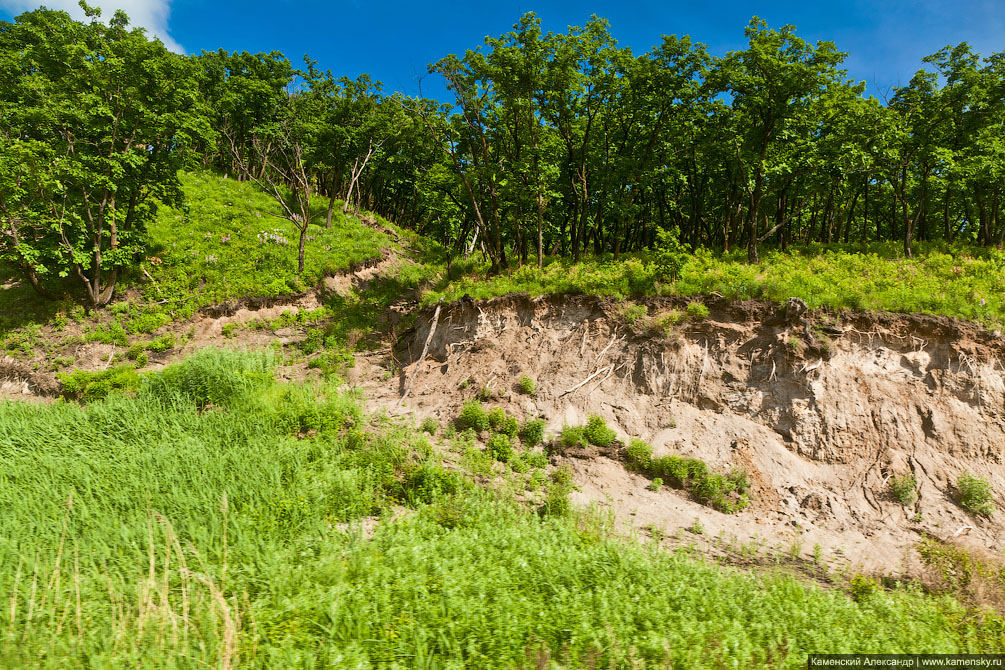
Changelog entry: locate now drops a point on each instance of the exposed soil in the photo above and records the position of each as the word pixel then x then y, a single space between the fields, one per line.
pixel 820 419
pixel 822 409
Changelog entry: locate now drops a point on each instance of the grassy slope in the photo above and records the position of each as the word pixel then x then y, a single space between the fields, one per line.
pixel 963 282
pixel 197 522
pixel 225 244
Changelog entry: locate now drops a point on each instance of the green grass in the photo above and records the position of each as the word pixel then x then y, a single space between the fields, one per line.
pixel 951 280
pixel 228 244
pixel 224 244
pixel 200 520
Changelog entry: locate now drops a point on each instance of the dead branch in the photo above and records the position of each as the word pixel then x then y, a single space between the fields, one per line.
pixel 583 383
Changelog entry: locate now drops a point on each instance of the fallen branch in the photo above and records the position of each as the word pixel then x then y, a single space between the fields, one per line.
pixel 422 356
pixel 582 383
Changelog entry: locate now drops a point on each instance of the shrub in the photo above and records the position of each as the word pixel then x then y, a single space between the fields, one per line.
pixel 141 359
pixel 697 310
pixel 429 425
pixel 500 448
pixel 557 497
pixel 975 494
pixel 536 459
pixel 428 483
pixel 597 432
pixel 496 417
pixel 228 329
pixel 473 416
pixel 631 313
pixel 656 484
pixel 739 480
pixel 709 489
pixel 526 385
pixel 862 587
pixel 90 386
pixel 696 469
pixel 532 432
pixel 904 488
pixel 670 256
pixel 672 468
pixel 640 454
pixel 572 436
pixel 162 344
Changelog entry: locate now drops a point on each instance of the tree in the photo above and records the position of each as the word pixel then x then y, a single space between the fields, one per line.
pixel 98 123
pixel 773 83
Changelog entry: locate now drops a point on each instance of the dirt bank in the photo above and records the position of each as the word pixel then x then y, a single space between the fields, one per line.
pixel 822 411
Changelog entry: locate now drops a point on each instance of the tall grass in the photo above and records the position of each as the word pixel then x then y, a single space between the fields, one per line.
pixel 954 281
pixel 209 519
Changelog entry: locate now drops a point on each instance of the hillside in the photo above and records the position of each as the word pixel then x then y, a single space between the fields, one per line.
pixel 594 466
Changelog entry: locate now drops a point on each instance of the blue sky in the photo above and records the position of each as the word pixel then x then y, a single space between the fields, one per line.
pixel 394 40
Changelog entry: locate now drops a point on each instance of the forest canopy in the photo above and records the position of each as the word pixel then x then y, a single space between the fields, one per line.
pixel 553 144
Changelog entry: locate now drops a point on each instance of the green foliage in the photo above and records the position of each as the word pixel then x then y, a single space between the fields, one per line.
pixel 427 483
pixel 670 255
pixel 271 519
pixel 631 313
pixel 697 310
pixel 474 416
pixel 94 385
pixel 974 494
pixel 162 343
pixel 500 448
pixel 904 488
pixel 532 432
pixel 573 436
pixel 557 501
pixel 597 432
pixel 725 493
pixel 526 385
pixel 501 422
pixel 862 588
pixel 656 484
pixel 332 363
pixel 429 425
pixel 639 454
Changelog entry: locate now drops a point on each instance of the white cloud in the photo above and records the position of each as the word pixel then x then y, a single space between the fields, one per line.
pixel 149 14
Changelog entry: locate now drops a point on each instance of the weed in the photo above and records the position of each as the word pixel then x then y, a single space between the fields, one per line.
pixel 573 436
pixel 656 484
pixel 639 454
pixel 526 385
pixel 597 432
pixel 429 425
pixel 557 495
pixel 796 549
pixel 532 432
pixel 500 448
pixel 631 313
pixel 230 329
pixel 90 386
pixel 862 587
pixel 974 494
pixel 904 488
pixel 162 343
pixel 474 416
pixel 698 528
pixel 697 311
